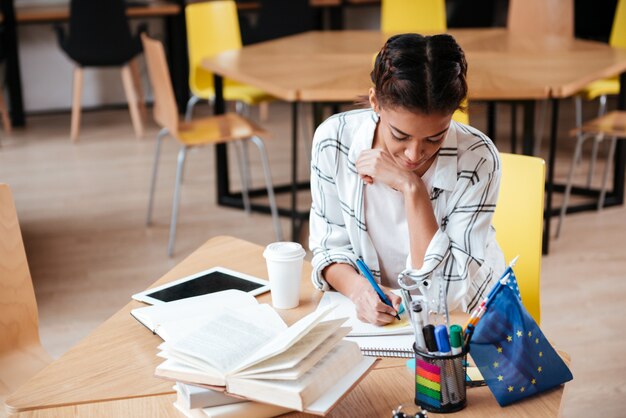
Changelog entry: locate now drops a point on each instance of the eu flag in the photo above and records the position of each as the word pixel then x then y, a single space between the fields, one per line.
pixel 514 357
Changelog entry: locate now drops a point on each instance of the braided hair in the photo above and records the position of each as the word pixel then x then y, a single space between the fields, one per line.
pixel 426 74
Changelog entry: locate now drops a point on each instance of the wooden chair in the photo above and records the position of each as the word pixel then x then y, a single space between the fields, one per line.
pixel 229 127
pixel 99 36
pixel 546 17
pixel 611 125
pixel 519 223
pixel 398 16
pixel 21 353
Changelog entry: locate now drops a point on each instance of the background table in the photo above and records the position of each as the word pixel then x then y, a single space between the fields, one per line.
pixel 334 67
pixel 110 373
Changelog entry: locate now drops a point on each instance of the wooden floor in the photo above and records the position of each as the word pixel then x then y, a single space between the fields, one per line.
pixel 82 210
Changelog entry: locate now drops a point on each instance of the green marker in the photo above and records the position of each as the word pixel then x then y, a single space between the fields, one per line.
pixel 456 340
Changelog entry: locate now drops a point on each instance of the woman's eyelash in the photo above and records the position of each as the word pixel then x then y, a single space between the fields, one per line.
pixel 397 138
pixel 439 138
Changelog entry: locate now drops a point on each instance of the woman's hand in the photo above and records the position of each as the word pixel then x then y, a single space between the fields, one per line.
pixel 369 307
pixel 378 164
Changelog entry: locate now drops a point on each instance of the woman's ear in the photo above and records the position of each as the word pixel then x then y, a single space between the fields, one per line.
pixel 373 100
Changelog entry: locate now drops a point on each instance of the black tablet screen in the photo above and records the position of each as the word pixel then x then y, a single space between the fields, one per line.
pixel 215 281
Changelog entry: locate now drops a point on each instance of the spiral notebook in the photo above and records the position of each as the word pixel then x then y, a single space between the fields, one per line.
pixel 386 345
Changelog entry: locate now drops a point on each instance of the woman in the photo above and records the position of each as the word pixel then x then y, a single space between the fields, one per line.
pixel 404 187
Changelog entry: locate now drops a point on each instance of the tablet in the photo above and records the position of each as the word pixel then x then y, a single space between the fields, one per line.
pixel 208 281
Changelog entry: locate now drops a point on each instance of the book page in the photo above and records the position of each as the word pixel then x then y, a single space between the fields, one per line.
pixel 229 338
pixel 304 365
pixel 345 308
pixel 297 394
pixel 286 339
pixel 153 317
pixel 292 356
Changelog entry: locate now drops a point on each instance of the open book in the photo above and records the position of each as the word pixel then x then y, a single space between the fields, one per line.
pixel 250 352
pixel 172 319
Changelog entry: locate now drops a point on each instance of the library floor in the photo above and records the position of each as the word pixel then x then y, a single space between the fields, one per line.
pixel 82 210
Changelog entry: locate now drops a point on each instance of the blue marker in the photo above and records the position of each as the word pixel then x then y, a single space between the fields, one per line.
pixel 365 271
pixel 443 342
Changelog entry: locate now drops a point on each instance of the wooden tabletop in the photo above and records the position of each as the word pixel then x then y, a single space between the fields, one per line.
pixel 111 370
pixel 60 12
pixel 335 66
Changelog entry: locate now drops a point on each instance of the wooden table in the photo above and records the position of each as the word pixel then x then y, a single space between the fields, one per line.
pixel 110 372
pixel 335 66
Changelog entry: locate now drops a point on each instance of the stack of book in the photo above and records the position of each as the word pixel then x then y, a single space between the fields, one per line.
pixel 198 402
pixel 243 349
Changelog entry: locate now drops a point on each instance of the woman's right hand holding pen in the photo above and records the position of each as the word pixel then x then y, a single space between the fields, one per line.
pixel 369 307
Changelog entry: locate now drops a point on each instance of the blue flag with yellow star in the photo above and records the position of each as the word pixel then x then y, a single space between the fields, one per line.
pixel 514 357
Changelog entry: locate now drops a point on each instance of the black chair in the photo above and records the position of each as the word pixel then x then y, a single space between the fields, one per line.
pixel 279 18
pixel 99 36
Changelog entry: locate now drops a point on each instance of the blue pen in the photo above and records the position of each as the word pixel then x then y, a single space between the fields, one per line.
pixel 365 271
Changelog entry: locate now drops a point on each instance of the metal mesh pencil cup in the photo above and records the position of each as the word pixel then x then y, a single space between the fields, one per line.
pixel 440 381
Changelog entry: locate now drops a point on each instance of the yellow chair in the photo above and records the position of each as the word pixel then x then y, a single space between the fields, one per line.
pixel 213 27
pixel 21 353
pixel 400 16
pixel 226 128
pixel 602 88
pixel 518 221
pixel 462 116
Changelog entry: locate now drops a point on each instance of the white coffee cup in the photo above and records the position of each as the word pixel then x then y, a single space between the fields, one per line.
pixel 284 268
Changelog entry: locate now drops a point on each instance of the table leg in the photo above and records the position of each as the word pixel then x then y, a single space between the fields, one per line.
pixel 550 181
pixel 176 40
pixel 13 78
pixel 491 120
pixel 221 156
pixel 619 168
pixel 295 223
pixel 528 141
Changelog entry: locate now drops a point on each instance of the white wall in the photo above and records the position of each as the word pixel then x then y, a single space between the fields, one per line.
pixel 47 72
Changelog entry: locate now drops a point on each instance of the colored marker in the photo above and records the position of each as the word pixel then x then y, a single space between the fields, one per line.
pixel 430 340
pixel 416 319
pixel 443 342
pixel 456 340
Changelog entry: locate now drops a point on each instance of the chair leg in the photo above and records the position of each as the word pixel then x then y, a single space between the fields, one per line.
pixel 268 184
pixel 6 121
pixel 155 169
pixel 244 173
pixel 182 154
pixel 607 169
pixel 578 103
pixel 77 90
pixel 570 180
pixel 141 98
pixel 596 143
pixel 131 97
pixel 190 105
pixel 264 111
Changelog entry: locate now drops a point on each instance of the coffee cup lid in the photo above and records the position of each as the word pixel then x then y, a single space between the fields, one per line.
pixel 284 250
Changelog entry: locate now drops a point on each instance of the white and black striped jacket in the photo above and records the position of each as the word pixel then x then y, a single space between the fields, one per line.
pixel 464 195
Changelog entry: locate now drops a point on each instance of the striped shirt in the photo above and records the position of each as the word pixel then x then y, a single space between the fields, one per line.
pixel 463 195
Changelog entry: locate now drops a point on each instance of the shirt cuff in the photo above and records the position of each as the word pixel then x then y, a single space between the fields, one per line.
pixel 325 259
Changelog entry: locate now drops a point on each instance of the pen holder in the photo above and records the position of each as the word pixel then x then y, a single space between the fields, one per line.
pixel 440 381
